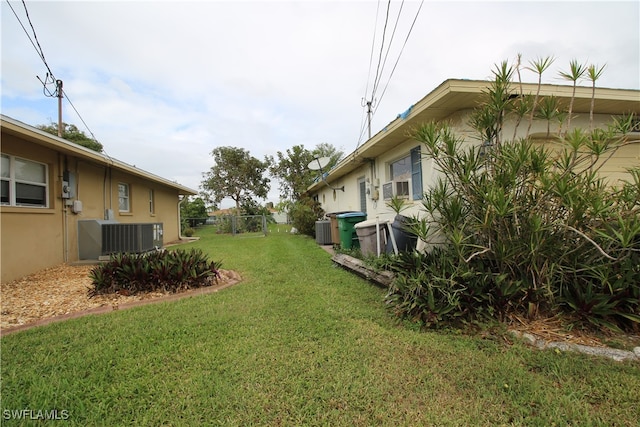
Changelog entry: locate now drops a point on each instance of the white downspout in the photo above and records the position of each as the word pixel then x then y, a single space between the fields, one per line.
pixel 180 219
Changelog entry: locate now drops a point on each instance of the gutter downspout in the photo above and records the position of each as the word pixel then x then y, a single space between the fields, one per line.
pixel 180 219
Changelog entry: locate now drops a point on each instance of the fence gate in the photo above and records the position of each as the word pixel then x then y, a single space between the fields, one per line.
pixel 249 225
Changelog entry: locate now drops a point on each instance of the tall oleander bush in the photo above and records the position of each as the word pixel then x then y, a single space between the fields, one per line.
pixel 524 228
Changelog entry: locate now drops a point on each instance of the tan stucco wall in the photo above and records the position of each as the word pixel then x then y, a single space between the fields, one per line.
pixel 34 238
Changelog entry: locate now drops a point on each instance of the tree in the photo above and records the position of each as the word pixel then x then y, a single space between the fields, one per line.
pixel 325 149
pixel 193 212
pixel 292 170
pixel 237 175
pixel 72 133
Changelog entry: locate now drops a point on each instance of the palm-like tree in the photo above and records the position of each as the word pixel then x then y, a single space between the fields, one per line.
pixel 538 66
pixel 576 71
pixel 593 73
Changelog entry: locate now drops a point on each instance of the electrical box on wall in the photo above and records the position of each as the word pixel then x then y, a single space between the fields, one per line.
pixel 66 191
pixel 77 206
pixel 68 185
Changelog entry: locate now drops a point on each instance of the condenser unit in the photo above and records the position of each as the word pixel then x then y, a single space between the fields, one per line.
pixel 99 238
pixel 323 232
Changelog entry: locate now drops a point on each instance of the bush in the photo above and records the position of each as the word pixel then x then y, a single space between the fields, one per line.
pixel 304 213
pixel 169 271
pixel 522 229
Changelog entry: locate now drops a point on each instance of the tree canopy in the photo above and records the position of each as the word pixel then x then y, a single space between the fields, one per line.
pixel 71 133
pixel 236 175
pixel 193 211
pixel 292 171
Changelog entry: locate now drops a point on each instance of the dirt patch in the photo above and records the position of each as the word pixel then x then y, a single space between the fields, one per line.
pixel 62 291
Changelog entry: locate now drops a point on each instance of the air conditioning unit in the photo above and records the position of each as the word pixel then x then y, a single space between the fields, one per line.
pixel 99 238
pixel 323 232
pixel 131 237
pixel 401 188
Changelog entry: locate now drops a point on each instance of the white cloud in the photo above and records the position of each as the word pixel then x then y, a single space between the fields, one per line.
pixel 163 83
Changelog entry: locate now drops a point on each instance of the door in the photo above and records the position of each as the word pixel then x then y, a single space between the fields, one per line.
pixel 362 192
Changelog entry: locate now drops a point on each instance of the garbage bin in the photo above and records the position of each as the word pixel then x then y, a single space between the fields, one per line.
pixel 367 232
pixel 335 230
pixel 346 222
pixel 405 240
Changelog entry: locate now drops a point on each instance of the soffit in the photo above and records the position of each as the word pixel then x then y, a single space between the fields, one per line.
pixel 456 95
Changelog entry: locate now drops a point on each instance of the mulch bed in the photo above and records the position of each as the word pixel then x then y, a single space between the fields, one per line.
pixel 61 293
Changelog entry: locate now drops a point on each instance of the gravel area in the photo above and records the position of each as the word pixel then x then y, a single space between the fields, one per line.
pixel 63 290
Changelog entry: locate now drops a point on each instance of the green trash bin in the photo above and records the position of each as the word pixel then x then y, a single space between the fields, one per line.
pixel 346 226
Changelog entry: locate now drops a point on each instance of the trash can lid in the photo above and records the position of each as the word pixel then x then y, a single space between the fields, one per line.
pixel 335 214
pixel 371 223
pixel 352 215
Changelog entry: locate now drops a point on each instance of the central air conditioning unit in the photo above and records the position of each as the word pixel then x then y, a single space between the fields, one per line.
pixel 400 188
pixel 100 238
pixel 135 238
pixel 323 232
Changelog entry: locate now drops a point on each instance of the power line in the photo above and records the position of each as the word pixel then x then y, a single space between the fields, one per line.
pixel 373 43
pixel 378 71
pixel 400 54
pixel 366 124
pixel 49 78
pixel 381 66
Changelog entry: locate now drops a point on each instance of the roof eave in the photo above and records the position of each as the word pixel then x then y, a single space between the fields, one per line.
pixel 43 138
pixel 457 94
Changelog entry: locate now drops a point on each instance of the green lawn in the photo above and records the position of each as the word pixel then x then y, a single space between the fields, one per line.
pixel 298 342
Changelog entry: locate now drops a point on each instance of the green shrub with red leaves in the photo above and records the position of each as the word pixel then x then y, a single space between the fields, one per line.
pixel 167 271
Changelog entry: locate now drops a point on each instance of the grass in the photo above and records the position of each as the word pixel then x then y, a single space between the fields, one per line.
pixel 298 342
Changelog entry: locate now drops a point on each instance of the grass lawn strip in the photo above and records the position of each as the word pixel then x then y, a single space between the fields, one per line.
pixel 301 342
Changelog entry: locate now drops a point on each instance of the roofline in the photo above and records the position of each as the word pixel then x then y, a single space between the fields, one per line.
pixel 43 138
pixel 473 87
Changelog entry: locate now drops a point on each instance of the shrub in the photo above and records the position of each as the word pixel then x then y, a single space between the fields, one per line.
pixel 521 228
pixel 304 213
pixel 168 271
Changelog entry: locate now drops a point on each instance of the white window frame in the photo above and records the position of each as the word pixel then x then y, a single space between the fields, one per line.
pixel 124 198
pixel 406 175
pixel 13 181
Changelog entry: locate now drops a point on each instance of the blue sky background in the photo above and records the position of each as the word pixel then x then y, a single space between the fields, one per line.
pixel 162 83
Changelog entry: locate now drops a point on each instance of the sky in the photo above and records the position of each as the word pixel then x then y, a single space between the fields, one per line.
pixel 162 83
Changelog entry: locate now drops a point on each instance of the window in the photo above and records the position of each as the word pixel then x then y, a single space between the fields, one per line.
pixel 362 192
pixel 401 169
pixel 405 177
pixel 123 197
pixel 24 182
pixel 152 208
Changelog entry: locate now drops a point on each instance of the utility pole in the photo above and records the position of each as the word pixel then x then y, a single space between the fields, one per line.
pixel 369 105
pixel 59 95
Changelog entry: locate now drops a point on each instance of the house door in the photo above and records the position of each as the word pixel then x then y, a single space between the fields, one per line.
pixel 362 192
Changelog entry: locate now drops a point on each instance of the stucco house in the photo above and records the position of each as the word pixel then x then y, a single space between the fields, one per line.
pixel 61 202
pixel 390 163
